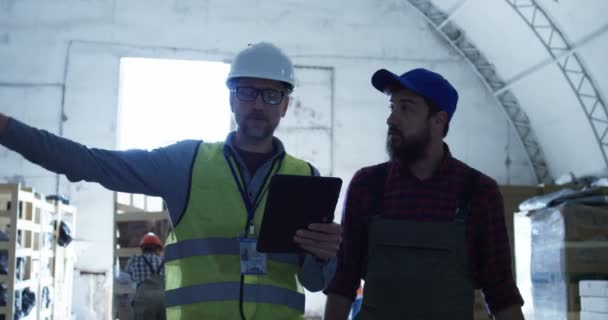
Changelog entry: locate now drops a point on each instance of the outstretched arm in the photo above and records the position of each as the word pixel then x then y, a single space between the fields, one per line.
pixel 158 173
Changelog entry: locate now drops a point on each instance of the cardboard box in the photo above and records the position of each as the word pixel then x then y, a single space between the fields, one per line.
pixel 595 304
pixel 571 223
pixel 570 239
pixel 593 288
pixel 576 258
pixel 586 315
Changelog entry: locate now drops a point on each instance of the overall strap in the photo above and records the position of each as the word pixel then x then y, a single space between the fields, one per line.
pixel 464 203
pixel 377 187
pixel 152 268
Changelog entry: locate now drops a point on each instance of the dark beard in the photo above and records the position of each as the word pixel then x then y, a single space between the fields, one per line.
pixel 410 150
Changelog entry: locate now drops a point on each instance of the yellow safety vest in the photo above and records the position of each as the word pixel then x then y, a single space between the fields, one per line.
pixel 202 266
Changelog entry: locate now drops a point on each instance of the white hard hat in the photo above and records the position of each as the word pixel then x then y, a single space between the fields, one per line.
pixel 262 60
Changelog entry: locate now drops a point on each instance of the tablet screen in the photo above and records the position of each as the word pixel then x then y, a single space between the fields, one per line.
pixel 293 203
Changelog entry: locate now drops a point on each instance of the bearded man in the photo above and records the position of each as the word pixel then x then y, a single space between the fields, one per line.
pixel 424 230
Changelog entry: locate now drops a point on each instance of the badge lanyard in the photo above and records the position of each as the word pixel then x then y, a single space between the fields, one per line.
pixel 251 208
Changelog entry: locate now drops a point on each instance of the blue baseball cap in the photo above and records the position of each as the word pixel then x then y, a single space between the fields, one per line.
pixel 428 84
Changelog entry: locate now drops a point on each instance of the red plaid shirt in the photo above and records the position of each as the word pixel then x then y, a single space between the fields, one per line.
pixel 434 199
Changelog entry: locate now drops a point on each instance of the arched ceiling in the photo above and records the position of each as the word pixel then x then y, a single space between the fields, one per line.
pixel 545 62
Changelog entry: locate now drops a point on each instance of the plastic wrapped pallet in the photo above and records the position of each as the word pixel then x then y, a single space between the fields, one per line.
pixel 562 245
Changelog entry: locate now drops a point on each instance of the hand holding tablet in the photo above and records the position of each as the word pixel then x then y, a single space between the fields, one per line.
pixel 320 239
pixel 299 216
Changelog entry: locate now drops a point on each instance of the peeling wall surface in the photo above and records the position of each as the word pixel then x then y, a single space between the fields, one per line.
pixel 59 70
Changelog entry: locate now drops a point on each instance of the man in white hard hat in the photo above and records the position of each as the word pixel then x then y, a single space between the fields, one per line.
pixel 215 193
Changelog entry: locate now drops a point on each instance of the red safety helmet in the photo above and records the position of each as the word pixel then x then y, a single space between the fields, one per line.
pixel 150 239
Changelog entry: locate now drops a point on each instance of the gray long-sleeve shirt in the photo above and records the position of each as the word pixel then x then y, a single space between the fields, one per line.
pixel 163 172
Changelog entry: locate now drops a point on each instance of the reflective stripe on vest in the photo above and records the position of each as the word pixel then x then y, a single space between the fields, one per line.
pixel 215 246
pixel 230 291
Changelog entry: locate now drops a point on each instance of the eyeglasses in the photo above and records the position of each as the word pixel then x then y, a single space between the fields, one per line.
pixel 250 94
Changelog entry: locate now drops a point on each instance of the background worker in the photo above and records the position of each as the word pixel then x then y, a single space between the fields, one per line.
pixel 146 270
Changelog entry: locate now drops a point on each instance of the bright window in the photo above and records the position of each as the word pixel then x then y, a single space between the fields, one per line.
pixel 164 101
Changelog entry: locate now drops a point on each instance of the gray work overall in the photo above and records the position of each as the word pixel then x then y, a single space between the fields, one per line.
pixel 419 270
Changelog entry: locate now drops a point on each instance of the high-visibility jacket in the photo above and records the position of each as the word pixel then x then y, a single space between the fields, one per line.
pixel 202 266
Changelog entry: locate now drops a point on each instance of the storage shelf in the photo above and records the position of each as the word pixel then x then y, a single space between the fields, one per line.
pixel 24 252
pixel 30 219
pixel 25 284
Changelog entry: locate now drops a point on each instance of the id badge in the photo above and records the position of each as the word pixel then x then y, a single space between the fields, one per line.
pixel 252 261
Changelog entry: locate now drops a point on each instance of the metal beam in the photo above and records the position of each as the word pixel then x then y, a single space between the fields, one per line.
pixel 453 13
pixel 583 87
pixel 486 72
pixel 554 59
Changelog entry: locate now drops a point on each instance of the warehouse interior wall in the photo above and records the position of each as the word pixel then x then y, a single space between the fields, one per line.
pixel 60 70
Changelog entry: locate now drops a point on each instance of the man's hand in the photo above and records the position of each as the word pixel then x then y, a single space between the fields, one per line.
pixel 3 124
pixel 320 239
pixel 337 307
pixel 510 313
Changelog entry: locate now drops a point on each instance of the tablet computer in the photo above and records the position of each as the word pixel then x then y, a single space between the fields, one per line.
pixel 293 203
